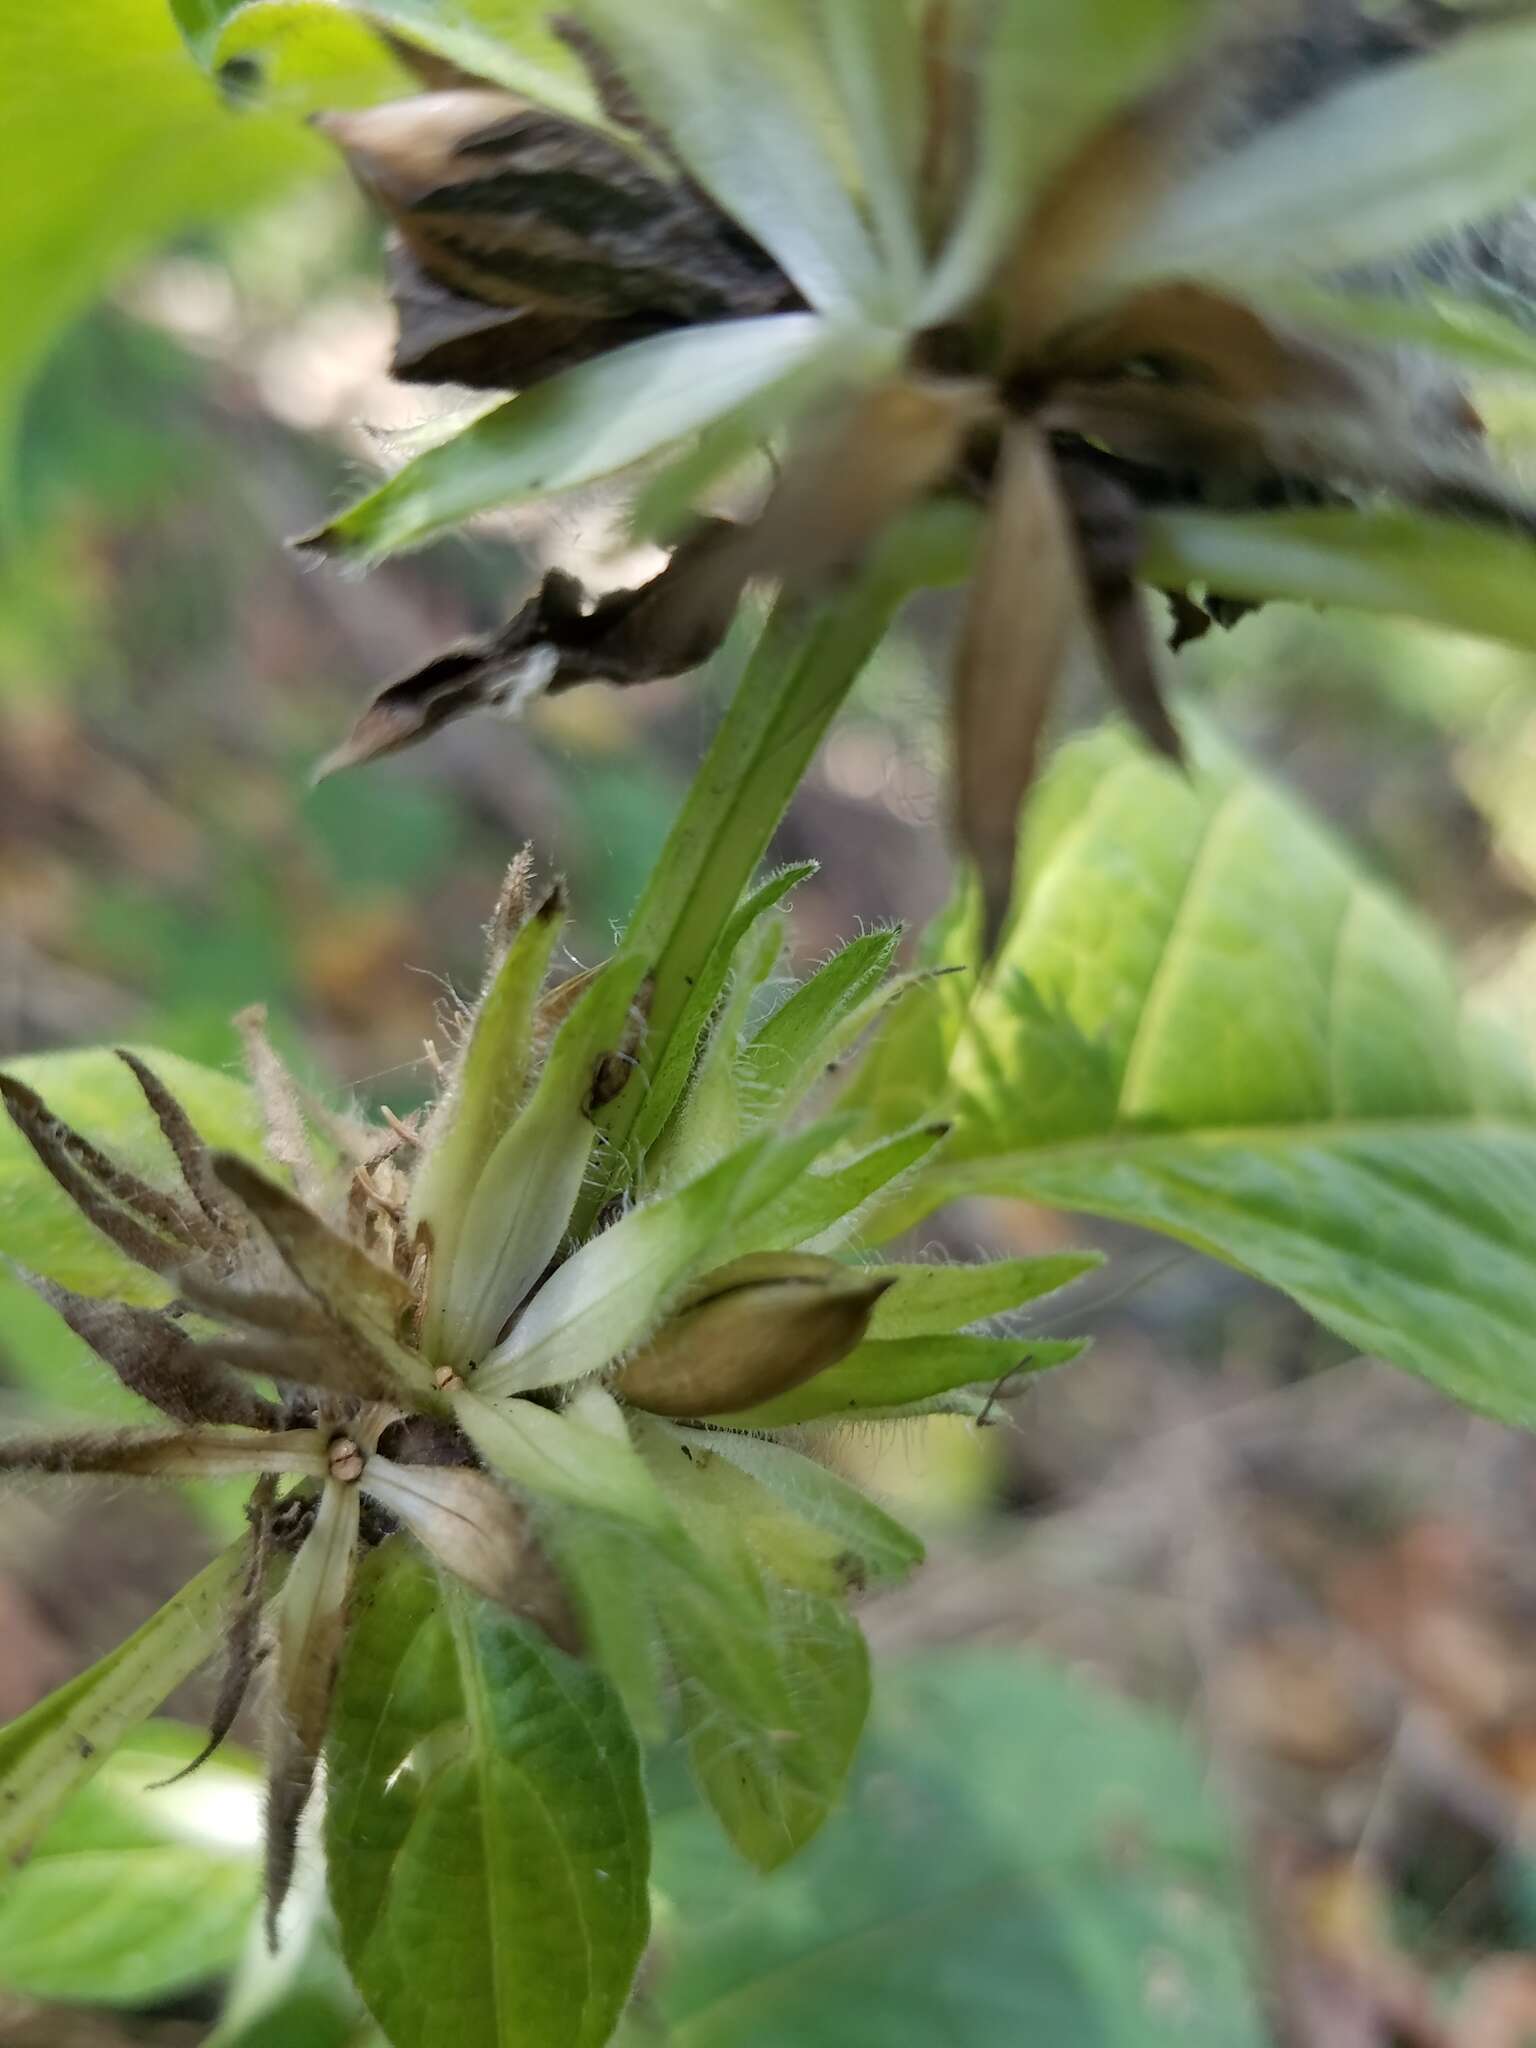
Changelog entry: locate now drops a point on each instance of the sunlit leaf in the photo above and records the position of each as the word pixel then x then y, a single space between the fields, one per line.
pixel 1463 331
pixel 304 44
pixel 136 150
pixel 1269 1058
pixel 139 1888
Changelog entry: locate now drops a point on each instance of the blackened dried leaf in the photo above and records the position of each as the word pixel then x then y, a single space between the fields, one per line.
pixel 147 1225
pixel 156 1359
pixel 1023 603
pixel 243 1649
pixel 661 628
pixel 190 1152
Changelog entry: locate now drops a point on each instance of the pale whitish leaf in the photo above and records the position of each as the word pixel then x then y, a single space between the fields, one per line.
pixel 670 1066
pixel 608 1295
pixel 1461 330
pixel 1375 168
pixel 312 47
pixel 63 1740
pixel 1283 1071
pixel 607 1570
pixel 791 1049
pixel 566 1459
pixel 974 1887
pixel 463 1518
pixel 574 428
pixel 489 1081
pixel 1460 576
pixel 139 1889
pixel 486 1832
pixel 1048 75
pixel 735 89
pixel 521 1206
pixel 928 1301
pixel 892 1373
pixel 843 1514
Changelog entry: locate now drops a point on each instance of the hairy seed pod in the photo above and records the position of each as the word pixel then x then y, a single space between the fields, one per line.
pixel 751 1330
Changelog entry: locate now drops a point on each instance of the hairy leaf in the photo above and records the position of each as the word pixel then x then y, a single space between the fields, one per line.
pixel 486 1827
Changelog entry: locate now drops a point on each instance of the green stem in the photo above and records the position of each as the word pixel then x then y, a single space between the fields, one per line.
pixel 803 667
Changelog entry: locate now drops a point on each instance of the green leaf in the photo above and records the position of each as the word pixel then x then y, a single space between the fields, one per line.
pixel 572 429
pixel 488 1084
pixel 773 1786
pixel 928 1301
pixel 607 1296
pixel 521 1206
pixel 1461 330
pixel 791 1049
pixel 906 1070
pixel 827 1206
pixel 122 146
pixel 580 1457
pixel 53 1749
pixel 486 1830
pixel 1015 1845
pixel 1372 169
pixel 669 1066
pixel 735 88
pixel 138 1889
pixel 1293 1082
pixel 1448 573
pixel 881 1376
pixel 305 41
pixel 1049 75
pixel 94 1091
pixel 853 1526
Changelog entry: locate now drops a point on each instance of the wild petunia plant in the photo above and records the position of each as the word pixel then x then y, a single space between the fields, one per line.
pixel 607 1433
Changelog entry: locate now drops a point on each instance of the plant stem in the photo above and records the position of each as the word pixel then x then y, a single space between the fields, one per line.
pixel 803 667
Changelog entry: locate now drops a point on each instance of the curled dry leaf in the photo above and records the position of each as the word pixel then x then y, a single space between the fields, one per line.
pixel 147 1225
pixel 169 1453
pixel 559 638
pixel 156 1359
